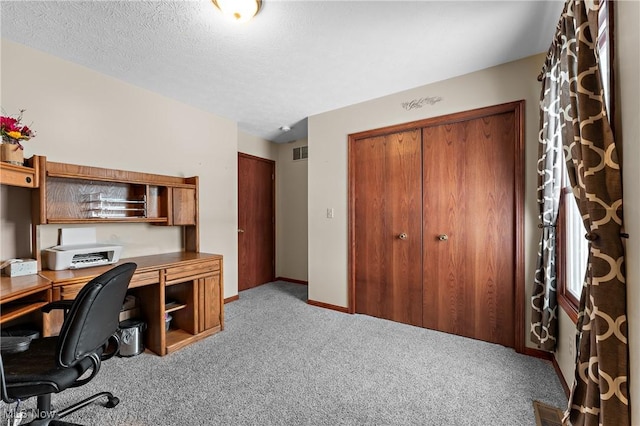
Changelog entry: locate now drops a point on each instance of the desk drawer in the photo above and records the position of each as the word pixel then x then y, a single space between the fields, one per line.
pixel 69 292
pixel 216 264
pixel 144 278
pixel 191 270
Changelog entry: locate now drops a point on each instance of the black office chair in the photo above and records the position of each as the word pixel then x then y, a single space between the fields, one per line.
pixel 53 364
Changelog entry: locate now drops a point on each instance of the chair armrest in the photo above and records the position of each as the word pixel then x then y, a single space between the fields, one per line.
pixel 95 361
pixel 114 344
pixel 59 304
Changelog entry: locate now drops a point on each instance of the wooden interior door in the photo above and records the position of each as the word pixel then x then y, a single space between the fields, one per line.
pixel 386 209
pixel 469 228
pixel 256 221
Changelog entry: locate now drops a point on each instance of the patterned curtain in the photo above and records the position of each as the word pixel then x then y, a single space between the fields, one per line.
pixel 600 394
pixel 544 306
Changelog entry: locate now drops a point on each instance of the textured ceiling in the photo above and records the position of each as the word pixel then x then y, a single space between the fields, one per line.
pixel 295 59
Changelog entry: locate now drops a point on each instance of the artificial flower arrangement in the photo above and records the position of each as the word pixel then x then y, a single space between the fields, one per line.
pixel 13 131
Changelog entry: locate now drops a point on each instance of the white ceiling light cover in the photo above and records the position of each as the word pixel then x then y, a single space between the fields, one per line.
pixel 238 10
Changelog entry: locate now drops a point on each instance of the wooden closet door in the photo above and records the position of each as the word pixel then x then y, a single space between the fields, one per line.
pixel 386 225
pixel 469 228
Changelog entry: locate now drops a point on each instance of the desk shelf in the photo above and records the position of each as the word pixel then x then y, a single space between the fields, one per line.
pixel 183 308
pixel 23 289
pixel 17 310
pixel 178 338
pixel 22 298
pixel 71 193
pixel 24 176
pixel 174 306
pixel 129 219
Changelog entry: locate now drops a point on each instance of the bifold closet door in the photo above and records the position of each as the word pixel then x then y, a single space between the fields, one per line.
pixel 469 228
pixel 386 191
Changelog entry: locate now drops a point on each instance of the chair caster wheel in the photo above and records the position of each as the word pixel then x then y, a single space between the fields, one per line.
pixel 112 402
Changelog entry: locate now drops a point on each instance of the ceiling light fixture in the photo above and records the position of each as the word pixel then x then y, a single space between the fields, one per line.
pixel 238 10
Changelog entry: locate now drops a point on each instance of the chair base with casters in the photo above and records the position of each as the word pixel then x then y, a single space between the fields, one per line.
pixel 40 375
pixel 53 364
pixel 46 416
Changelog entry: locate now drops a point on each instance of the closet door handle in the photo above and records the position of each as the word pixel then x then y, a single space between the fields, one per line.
pixel 443 237
pixel 403 236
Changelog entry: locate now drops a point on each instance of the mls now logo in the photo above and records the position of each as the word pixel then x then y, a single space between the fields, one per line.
pixel 15 416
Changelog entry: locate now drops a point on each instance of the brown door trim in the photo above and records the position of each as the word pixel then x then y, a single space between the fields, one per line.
pixel 517 108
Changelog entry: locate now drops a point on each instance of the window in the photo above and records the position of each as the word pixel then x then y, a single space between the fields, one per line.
pixel 605 50
pixel 573 248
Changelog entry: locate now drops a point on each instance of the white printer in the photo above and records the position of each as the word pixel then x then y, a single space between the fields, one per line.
pixel 78 249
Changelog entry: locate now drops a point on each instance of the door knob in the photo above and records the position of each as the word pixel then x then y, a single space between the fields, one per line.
pixel 403 236
pixel 240 231
pixel 443 237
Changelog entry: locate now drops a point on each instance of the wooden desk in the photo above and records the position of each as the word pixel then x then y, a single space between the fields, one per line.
pixel 193 281
pixel 22 296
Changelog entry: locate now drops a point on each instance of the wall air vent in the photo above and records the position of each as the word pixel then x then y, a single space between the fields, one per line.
pixel 300 153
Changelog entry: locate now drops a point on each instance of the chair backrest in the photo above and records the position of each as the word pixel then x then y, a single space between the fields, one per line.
pixel 93 316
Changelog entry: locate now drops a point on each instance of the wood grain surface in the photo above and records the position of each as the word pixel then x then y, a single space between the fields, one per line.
pixel 469 197
pixel 256 221
pixel 465 263
pixel 387 200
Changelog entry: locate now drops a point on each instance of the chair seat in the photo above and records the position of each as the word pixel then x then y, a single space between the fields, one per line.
pixel 34 372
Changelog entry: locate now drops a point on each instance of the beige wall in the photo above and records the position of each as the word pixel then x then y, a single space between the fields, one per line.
pixel 15 223
pixel 627 39
pixel 84 117
pixel 328 133
pixel 256 146
pixel 566 350
pixel 291 214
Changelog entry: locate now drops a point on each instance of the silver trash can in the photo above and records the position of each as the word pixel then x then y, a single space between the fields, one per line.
pixel 130 334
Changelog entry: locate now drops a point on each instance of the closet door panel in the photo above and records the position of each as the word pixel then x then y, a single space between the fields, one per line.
pixel 469 197
pixel 448 292
pixel 494 252
pixel 387 207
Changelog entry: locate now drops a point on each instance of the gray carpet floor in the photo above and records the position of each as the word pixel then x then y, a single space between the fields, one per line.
pixel 280 361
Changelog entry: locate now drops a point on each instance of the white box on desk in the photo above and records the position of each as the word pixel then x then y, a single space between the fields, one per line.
pixel 19 267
